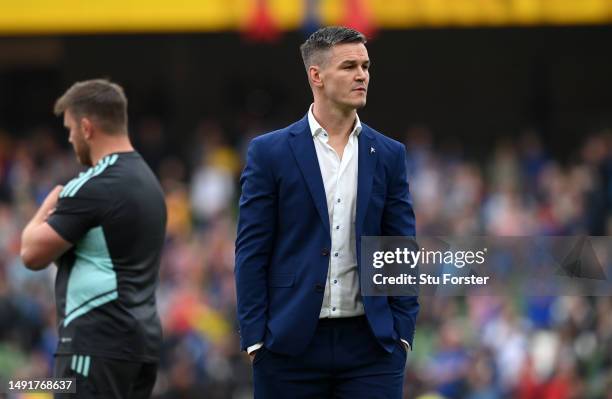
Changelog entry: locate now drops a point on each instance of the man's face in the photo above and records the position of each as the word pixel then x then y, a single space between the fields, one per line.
pixel 77 139
pixel 345 75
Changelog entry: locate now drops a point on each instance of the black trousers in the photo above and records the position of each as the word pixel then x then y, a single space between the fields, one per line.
pixel 99 377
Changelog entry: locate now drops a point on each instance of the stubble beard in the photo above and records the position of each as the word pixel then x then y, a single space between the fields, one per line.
pixel 83 154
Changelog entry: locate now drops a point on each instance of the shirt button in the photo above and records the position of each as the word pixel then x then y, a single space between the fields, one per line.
pixel 339 200
pixel 336 254
pixel 334 309
pixel 337 227
pixel 335 281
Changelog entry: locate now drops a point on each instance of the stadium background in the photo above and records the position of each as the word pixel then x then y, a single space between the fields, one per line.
pixel 505 108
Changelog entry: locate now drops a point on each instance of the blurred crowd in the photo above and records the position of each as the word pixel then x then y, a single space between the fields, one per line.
pixel 465 347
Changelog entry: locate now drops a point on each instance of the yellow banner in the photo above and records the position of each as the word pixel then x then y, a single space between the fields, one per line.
pixel 99 16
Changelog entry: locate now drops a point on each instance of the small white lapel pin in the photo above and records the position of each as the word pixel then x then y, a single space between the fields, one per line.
pixel 372 150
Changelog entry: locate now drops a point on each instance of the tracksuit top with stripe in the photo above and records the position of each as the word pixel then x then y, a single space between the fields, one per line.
pixel 114 214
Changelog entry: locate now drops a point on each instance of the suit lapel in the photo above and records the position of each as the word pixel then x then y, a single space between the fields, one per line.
pixel 368 157
pixel 302 145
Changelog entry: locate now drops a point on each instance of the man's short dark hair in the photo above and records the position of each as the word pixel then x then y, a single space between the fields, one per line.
pixel 98 99
pixel 315 47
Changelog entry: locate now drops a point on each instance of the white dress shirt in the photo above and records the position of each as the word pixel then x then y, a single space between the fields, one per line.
pixel 341 297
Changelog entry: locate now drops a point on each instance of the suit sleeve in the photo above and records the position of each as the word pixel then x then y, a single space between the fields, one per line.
pixel 398 220
pixel 254 244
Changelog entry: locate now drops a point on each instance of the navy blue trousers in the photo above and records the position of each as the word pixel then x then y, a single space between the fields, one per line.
pixel 343 361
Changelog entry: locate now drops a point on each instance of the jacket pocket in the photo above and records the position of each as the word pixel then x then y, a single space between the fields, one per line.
pixel 281 280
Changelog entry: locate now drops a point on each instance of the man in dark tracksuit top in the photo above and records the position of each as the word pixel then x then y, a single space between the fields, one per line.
pixel 105 231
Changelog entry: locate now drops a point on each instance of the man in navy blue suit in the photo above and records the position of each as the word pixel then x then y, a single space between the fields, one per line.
pixel 310 191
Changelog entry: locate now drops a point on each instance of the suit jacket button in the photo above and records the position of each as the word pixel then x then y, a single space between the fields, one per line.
pixel 319 288
pixel 325 252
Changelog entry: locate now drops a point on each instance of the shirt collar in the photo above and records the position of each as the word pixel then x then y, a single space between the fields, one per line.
pixel 316 128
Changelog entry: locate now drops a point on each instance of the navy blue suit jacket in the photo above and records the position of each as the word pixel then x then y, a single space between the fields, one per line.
pixel 283 242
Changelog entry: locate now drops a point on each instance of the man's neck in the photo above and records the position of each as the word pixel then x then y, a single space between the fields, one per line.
pixel 110 145
pixel 336 122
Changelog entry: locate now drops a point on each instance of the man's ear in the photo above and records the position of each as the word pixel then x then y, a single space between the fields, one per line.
pixel 86 128
pixel 314 74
